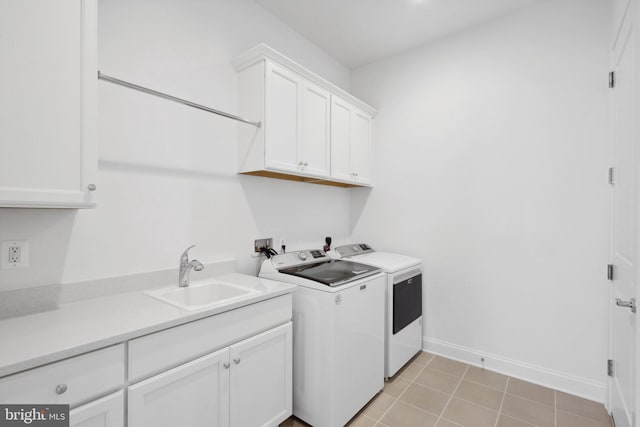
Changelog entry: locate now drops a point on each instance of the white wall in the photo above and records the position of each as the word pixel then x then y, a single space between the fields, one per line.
pixel 167 172
pixel 491 157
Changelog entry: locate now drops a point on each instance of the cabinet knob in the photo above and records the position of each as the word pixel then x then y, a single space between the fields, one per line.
pixel 226 365
pixel 305 164
pixel 236 361
pixel 61 388
pixel 91 187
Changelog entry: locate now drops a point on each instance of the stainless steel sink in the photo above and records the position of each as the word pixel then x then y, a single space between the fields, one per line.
pixel 202 295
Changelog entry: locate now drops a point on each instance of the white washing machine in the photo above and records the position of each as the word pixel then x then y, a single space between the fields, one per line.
pixel 403 313
pixel 338 334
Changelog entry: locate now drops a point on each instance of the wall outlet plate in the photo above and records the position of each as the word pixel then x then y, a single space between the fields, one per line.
pixel 260 243
pixel 14 254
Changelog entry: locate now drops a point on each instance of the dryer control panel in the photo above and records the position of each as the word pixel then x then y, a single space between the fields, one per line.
pixel 353 249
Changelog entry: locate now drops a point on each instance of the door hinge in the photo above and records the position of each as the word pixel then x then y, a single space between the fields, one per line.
pixel 610 367
pixel 612 79
pixel 609 271
pixel 612 176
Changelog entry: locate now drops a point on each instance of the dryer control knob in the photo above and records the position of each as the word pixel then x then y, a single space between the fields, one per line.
pixel 356 248
pixel 302 256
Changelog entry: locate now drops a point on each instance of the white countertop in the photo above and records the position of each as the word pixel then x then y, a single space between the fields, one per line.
pixel 71 329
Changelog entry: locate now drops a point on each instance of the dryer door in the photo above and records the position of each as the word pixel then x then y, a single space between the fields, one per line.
pixel 407 302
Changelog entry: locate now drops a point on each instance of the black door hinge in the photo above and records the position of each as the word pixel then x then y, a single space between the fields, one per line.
pixel 610 367
pixel 612 79
pixel 609 271
pixel 612 176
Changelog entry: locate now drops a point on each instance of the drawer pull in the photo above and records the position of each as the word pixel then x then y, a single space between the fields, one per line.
pixel 61 388
pixel 236 361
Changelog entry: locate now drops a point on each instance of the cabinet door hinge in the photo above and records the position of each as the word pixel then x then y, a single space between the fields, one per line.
pixel 609 271
pixel 610 367
pixel 612 176
pixel 612 79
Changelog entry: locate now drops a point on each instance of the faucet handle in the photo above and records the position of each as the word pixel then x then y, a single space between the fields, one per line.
pixel 185 254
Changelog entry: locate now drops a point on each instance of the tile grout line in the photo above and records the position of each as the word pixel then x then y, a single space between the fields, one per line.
pixel 537 402
pixel 452 394
pixel 504 395
pixel 379 420
pixel 555 408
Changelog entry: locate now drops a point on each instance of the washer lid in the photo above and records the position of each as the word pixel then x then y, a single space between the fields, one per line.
pixel 333 272
pixel 388 262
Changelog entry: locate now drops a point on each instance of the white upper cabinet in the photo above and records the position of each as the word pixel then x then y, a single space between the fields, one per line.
pixel 301 131
pixel 350 142
pixel 283 90
pixel 316 109
pixel 360 147
pixel 48 93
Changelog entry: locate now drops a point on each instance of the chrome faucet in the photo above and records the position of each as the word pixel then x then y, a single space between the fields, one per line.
pixel 186 266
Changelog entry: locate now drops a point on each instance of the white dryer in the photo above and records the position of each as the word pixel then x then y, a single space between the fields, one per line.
pixel 403 307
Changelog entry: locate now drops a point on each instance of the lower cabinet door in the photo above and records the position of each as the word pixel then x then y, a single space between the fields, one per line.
pixel 105 412
pixel 261 385
pixel 194 394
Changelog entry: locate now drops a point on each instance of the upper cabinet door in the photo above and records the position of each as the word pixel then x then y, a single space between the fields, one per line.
pixel 360 148
pixel 316 110
pixel 48 93
pixel 340 138
pixel 283 91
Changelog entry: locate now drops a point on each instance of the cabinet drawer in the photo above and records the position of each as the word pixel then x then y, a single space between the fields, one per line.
pixel 166 349
pixel 85 377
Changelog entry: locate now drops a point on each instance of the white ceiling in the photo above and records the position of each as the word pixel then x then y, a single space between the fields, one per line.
pixel 357 32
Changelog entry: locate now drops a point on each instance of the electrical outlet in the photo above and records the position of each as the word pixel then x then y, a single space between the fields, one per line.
pixel 14 254
pixel 262 243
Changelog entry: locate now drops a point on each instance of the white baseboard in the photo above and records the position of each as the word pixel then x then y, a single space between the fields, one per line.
pixel 567 383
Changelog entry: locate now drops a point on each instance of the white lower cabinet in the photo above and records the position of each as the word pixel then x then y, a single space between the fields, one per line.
pixel 246 384
pixel 261 379
pixel 105 412
pixel 194 394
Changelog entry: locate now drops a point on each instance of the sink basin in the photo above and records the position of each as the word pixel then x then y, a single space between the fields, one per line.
pixel 202 295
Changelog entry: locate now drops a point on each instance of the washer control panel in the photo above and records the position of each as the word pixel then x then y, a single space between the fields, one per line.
pixel 290 259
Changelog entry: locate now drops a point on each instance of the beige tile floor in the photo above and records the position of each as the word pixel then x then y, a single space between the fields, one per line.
pixel 434 391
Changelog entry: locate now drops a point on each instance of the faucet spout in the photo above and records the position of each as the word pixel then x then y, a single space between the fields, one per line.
pixel 186 266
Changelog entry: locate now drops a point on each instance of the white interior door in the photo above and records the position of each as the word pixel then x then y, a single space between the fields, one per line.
pixel 623 236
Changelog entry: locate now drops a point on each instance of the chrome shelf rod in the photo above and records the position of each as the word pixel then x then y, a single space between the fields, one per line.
pixel 133 86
